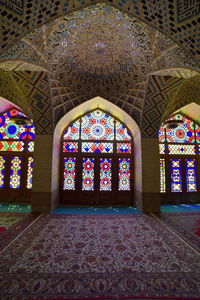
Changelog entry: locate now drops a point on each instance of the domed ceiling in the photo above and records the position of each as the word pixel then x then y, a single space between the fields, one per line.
pixel 99 46
pixel 96 51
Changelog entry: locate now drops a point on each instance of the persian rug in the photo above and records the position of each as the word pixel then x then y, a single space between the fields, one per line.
pixel 185 224
pixel 98 256
pixel 12 224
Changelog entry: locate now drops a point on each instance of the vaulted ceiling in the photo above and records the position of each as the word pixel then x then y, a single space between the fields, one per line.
pixel 120 51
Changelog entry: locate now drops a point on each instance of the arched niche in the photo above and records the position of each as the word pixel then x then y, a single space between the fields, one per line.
pixel 179 140
pixel 89 105
pixel 16 154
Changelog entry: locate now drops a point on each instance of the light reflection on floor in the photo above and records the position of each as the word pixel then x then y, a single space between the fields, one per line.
pixel 99 209
pixel 25 208
pixel 94 210
pixel 180 207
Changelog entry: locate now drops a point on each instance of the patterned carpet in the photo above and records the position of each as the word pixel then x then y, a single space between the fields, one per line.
pixel 88 256
pixel 11 225
pixel 185 224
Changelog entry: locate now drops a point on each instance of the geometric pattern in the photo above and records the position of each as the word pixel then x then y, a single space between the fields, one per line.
pixel 187 92
pixel 36 90
pixel 159 93
pixel 187 10
pixel 177 19
pixel 82 75
pixel 15 6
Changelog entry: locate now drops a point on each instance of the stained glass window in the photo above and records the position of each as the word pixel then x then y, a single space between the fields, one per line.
pixel 123 147
pixel 184 133
pixel 161 135
pixel 197 131
pixel 99 133
pixel 29 173
pixel 70 147
pixel 181 149
pixel 191 181
pixel 72 132
pixel 91 147
pixel 97 125
pixel 179 141
pixel 122 133
pixel 88 174
pixel 105 174
pixel 2 170
pixel 10 130
pixel 124 174
pixel 69 173
pixel 11 146
pixel 162 176
pixel 176 175
pixel 15 172
pixel 162 149
pixel 16 138
pixel 31 146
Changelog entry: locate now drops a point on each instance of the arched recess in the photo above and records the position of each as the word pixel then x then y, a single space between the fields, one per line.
pixel 179 147
pixel 9 89
pixel 16 154
pixel 176 71
pixel 83 108
pixel 151 15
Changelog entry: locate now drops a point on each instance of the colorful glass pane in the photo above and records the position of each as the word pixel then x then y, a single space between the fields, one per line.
pixel 88 174
pixel 182 149
pixel 122 133
pixel 97 147
pixel 2 170
pixel 11 146
pixel 72 132
pixel 183 133
pixel 29 173
pixel 162 176
pixel 124 174
pixel 15 172
pixel 176 175
pixel 162 148
pixel 69 173
pixel 197 131
pixel 123 147
pixel 10 130
pixel 105 174
pixel 161 135
pixel 97 125
pixel 31 146
pixel 70 147
pixel 191 181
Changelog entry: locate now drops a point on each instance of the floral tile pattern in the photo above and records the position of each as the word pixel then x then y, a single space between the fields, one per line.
pixel 98 255
pixel 186 224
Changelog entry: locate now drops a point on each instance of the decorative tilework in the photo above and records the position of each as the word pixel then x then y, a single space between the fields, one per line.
pixel 16 6
pixel 117 51
pixel 174 18
pixel 159 94
pixel 36 90
pixel 187 10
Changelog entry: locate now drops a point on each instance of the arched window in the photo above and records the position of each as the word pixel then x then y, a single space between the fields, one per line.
pixel 16 158
pixel 179 160
pixel 97 161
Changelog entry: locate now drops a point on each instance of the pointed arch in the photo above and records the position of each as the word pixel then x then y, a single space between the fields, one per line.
pixel 97 102
pixel 179 144
pixel 16 154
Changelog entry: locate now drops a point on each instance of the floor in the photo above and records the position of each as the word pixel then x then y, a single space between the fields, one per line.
pixel 26 208
pixel 100 253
